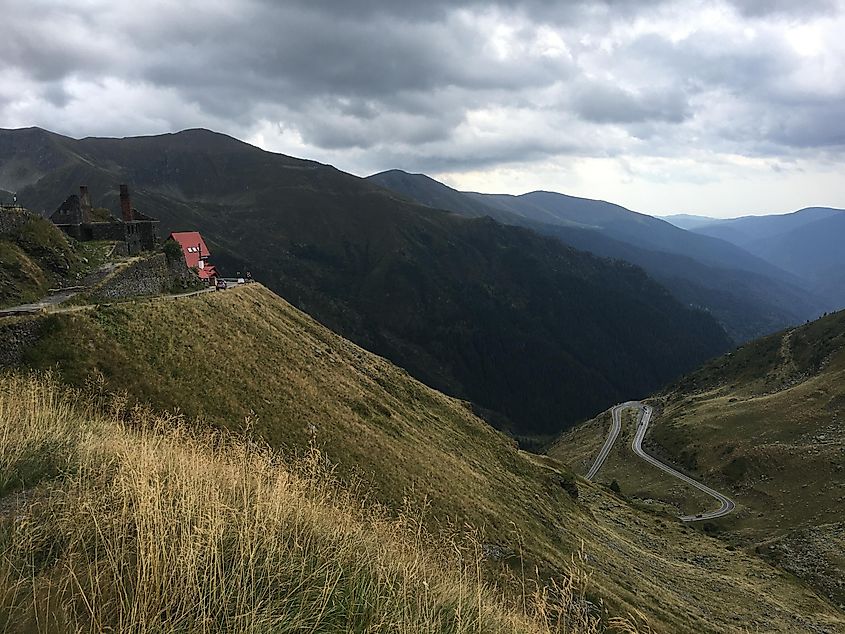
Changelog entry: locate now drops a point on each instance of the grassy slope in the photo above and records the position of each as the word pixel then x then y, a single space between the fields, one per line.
pixel 32 258
pixel 138 524
pixel 764 424
pixel 21 279
pixel 245 355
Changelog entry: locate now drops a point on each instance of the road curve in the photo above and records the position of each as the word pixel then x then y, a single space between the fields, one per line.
pixel 726 505
pixel 615 428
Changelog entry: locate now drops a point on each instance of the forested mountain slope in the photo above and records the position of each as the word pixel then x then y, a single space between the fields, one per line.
pixel 522 325
pixel 749 297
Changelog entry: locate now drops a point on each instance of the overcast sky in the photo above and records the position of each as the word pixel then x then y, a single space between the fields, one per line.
pixel 721 108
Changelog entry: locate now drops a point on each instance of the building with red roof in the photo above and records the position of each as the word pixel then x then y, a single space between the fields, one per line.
pixel 196 252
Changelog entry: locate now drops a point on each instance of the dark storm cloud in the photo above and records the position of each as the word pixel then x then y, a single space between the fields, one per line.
pixel 821 126
pixel 450 83
pixel 436 9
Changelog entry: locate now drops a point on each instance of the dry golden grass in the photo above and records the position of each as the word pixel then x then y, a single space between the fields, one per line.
pixel 127 521
pixel 222 358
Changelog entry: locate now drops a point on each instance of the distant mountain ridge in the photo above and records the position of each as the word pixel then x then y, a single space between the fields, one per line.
pixel 745 230
pixel 523 326
pixel 625 225
pixel 747 294
pixel 689 221
pixel 807 243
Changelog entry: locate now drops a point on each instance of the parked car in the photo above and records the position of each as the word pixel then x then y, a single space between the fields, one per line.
pixel 221 285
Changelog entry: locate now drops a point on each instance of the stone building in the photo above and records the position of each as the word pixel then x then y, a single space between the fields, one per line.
pixel 78 219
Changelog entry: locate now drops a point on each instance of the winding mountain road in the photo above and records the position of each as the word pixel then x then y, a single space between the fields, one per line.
pixel 615 428
pixel 726 505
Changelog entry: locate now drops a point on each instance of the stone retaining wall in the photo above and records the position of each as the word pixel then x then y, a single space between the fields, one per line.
pixel 17 336
pixel 13 219
pixel 149 276
pixel 181 277
pixel 153 275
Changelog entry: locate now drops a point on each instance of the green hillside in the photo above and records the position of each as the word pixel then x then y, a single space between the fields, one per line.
pixel 524 327
pixel 246 360
pixel 34 256
pixel 763 424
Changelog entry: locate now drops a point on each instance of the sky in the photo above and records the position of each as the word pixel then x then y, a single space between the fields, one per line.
pixel 720 108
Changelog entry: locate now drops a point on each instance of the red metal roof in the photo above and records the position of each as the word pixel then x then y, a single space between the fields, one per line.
pixel 195 250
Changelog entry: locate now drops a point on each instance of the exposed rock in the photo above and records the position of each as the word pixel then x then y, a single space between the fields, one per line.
pixel 570 486
pixel 18 336
pixel 496 552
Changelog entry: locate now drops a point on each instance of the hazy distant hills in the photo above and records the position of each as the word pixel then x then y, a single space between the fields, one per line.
pixel 517 323
pixel 747 294
pixel 808 243
pixel 747 230
pixel 689 221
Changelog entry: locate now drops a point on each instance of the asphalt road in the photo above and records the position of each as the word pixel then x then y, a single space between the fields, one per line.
pixel 36 307
pixel 615 428
pixel 726 505
pixel 52 303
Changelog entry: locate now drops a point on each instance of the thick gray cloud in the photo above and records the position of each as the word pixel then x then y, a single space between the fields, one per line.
pixel 609 103
pixel 438 86
pixel 798 8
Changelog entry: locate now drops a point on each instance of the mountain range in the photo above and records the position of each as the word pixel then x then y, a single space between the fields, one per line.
pixel 806 243
pixel 523 326
pixel 235 446
pixel 748 294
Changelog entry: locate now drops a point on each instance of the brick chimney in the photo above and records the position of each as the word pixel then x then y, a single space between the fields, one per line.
pixel 85 203
pixel 126 204
pixel 84 197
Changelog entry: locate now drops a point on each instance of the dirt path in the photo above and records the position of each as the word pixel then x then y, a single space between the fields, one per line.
pixel 51 305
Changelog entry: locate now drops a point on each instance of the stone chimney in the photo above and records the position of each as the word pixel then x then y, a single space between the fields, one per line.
pixel 126 204
pixel 85 203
